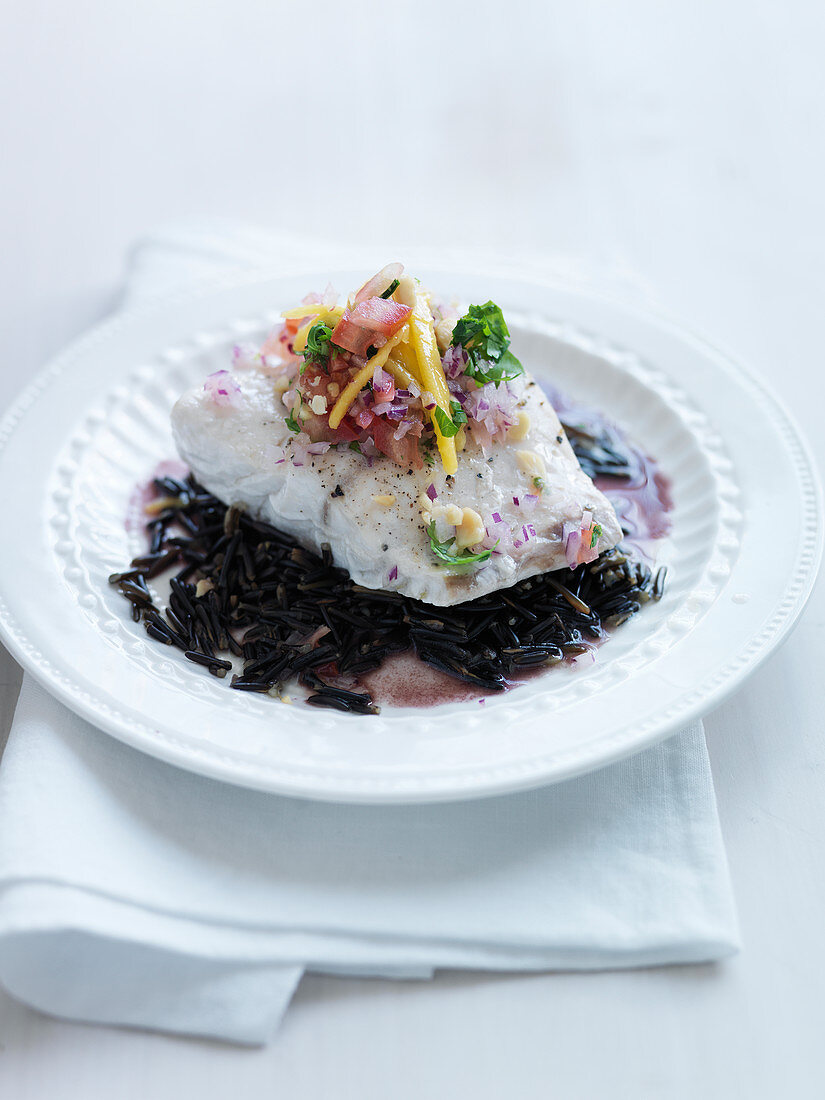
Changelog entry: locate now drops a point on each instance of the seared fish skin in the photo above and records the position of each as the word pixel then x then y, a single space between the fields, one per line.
pixel 374 514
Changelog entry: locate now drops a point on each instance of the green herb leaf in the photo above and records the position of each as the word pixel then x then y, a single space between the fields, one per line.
pixel 292 423
pixel 319 347
pixel 483 334
pixel 459 415
pixel 538 482
pixel 449 424
pixel 597 534
pixel 391 289
pixel 426 445
pixel 355 446
pixel 442 550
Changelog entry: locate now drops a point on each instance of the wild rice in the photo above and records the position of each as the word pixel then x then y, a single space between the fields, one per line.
pixel 286 612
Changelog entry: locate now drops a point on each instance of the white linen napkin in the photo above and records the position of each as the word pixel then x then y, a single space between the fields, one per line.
pixel 135 893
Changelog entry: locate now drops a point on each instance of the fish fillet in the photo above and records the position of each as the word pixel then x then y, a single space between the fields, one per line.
pixel 374 513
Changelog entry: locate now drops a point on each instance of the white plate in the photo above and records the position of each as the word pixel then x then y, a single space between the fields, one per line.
pixel 743 554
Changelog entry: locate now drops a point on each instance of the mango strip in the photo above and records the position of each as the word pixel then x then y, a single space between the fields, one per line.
pixel 360 380
pixel 432 375
pixel 400 374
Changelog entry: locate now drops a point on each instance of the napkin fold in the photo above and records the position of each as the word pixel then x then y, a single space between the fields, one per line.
pixel 135 893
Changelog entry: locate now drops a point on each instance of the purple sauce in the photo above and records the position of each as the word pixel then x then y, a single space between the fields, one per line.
pixel 405 681
pixel 640 493
pixel 144 492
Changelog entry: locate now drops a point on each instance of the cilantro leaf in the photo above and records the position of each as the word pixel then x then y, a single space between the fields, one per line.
pixel 505 370
pixel 292 423
pixel 442 550
pixel 597 534
pixel 483 334
pixel 459 415
pixel 319 347
pixel 449 423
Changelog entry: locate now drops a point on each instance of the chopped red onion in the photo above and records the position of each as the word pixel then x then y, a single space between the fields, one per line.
pixel 380 282
pixel 497 517
pixel 273 344
pixel 454 361
pixel 245 357
pixel 383 386
pixel 529 501
pixel 223 389
pixel 431 493
pixel 444 530
pixel 393 573
pixel 515 501
pixel 402 429
pixel 572 546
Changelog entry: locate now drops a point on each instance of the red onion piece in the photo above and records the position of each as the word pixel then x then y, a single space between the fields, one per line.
pixel 223 389
pixel 379 282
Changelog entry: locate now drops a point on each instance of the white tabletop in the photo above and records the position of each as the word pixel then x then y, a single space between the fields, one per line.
pixel 677 147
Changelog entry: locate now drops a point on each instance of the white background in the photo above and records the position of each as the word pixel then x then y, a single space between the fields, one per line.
pixel 674 146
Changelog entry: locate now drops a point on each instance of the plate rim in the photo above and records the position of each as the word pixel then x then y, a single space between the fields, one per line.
pixel 496 778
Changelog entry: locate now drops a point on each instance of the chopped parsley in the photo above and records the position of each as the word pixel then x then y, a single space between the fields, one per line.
pixel 292 423
pixel 483 334
pixel 597 534
pixel 319 348
pixel 538 483
pixel 355 446
pixel 443 550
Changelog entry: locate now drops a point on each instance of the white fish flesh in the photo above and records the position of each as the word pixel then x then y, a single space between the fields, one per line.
pixel 374 513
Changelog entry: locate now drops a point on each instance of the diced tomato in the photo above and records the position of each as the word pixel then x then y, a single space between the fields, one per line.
pixel 381 315
pixel 369 324
pixel 404 451
pixel 345 433
pixel 353 336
